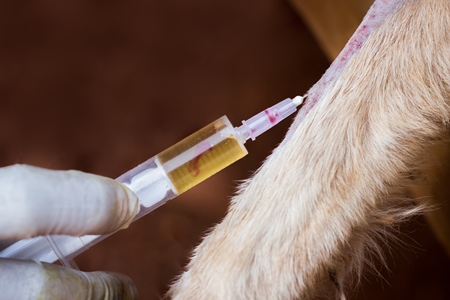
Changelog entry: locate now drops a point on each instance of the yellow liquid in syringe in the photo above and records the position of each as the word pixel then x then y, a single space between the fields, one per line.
pixel 206 164
pixel 201 155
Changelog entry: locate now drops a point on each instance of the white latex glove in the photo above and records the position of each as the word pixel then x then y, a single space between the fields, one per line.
pixel 36 201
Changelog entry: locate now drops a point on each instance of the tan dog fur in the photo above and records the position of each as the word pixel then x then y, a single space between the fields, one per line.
pixel 310 215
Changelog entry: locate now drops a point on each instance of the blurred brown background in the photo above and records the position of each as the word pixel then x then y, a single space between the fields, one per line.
pixel 101 86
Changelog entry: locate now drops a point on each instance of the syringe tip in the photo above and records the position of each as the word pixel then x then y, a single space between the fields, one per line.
pixel 298 100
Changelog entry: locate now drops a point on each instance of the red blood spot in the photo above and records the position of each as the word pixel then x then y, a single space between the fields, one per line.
pixel 273 118
pixel 193 167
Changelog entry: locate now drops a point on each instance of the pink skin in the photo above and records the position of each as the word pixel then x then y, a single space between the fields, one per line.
pixel 376 15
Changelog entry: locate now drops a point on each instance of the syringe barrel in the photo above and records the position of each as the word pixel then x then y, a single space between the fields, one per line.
pixel 202 154
pixel 157 180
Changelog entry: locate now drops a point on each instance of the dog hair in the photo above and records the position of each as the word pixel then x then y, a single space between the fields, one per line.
pixel 306 223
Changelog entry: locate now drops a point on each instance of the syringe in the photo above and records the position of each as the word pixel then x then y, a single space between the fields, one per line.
pixel 165 176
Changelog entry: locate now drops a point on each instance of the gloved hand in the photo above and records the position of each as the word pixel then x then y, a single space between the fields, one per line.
pixel 36 201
